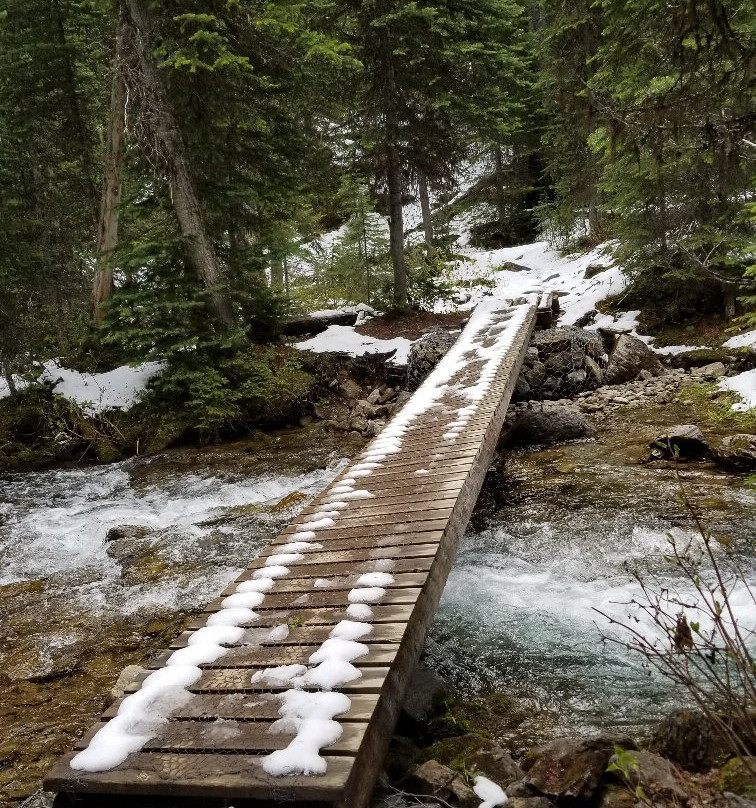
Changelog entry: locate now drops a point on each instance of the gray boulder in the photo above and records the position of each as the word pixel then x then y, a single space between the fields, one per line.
pixel 425 354
pixel 572 768
pixel 628 358
pixel 545 425
pixel 685 441
pixel 424 688
pixel 689 738
pixel 737 452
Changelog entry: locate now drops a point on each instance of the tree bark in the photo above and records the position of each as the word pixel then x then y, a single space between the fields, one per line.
pixel 107 231
pixel 396 228
pixel 501 196
pixel 201 252
pixel 594 219
pixel 277 273
pixel 426 211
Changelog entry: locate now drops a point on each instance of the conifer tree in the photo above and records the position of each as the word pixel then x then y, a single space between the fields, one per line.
pixel 435 75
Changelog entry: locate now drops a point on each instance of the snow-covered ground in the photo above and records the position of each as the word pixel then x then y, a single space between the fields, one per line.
pixel 95 392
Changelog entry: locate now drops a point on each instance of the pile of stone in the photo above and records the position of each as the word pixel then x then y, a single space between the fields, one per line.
pixel 566 361
pixel 363 415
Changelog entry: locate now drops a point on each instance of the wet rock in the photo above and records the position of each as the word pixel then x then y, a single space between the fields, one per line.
pixel 661 780
pixel 520 788
pixel 572 767
pixel 699 358
pixel 474 752
pixel 688 738
pixel 425 354
pixel 434 780
pixel 545 425
pixel 615 795
pixel 713 371
pixel 737 452
pixel 530 802
pixel 127 532
pixel 424 688
pixel 686 441
pixel 349 389
pixel 128 676
pixel 628 358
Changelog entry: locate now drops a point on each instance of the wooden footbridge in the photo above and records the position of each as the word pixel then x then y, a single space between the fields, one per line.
pixel 288 689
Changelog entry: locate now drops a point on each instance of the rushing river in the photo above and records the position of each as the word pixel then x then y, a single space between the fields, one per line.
pixel 549 542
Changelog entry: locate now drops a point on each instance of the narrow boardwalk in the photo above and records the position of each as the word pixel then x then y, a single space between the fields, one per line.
pixel 289 688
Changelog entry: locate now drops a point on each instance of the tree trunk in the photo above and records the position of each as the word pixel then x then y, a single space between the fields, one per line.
pixel 396 229
pixel 426 211
pixel 201 252
pixel 593 213
pixel 501 197
pixel 277 273
pixel 107 232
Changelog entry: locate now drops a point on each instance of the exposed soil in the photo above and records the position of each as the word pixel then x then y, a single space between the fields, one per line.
pixel 411 325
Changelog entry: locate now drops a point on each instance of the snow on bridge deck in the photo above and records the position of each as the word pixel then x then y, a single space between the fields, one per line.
pixel 289 687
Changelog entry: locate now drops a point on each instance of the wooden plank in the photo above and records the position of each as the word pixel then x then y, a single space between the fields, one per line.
pixel 360 554
pixel 322 597
pixel 319 617
pixel 343 582
pixel 196 775
pixel 254 707
pixel 270 655
pixel 306 635
pixel 229 735
pixel 383 516
pixel 407 563
pixel 238 680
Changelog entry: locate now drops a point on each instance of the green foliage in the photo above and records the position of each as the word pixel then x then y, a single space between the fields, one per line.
pixel 625 764
pixel 428 279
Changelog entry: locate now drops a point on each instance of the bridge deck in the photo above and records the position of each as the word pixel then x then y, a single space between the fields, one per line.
pixel 398 510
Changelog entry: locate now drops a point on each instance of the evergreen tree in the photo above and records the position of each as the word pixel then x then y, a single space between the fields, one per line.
pixel 435 74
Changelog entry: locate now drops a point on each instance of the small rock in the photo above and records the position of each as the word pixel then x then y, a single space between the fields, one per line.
pixel 594 269
pixel 530 802
pixel 736 801
pixel 481 754
pixel 520 788
pixel 688 738
pixel 374 397
pixel 659 778
pixel 686 440
pixel 127 532
pixel 126 677
pixel 712 371
pixel 435 780
pixel 387 395
pixel 572 767
pixel 737 452
pixel 349 389
pixel 364 408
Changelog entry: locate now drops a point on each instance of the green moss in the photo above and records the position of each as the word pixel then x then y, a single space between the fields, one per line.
pixel 739 777
pixel 716 412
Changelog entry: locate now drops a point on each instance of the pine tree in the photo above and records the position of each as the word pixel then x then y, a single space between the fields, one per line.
pixel 435 76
